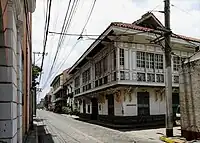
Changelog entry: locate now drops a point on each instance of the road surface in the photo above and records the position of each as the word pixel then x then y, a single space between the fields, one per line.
pixel 63 129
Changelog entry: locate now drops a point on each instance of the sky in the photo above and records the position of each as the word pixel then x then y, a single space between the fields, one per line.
pixel 185 20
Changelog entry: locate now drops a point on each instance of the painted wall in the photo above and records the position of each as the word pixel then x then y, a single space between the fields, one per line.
pixel 130 106
pixel 103 108
pixel 156 101
pixel 118 108
pixel 130 60
pixel 189 96
pixel 15 71
pixel 88 107
pixel 81 107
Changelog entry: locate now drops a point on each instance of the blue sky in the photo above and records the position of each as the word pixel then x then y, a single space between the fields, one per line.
pixel 184 20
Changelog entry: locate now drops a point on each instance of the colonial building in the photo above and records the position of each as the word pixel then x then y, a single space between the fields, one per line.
pixel 57 85
pixel 68 89
pixel 15 68
pixel 189 97
pixel 121 77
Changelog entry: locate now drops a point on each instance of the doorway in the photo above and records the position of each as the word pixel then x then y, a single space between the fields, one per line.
pixel 84 106
pixel 143 103
pixel 94 108
pixel 175 101
pixel 110 104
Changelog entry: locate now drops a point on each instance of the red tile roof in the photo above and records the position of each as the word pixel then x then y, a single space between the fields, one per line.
pixel 132 26
pixel 140 28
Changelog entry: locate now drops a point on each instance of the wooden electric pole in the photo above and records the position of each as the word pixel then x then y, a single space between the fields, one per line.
pixel 34 99
pixel 168 72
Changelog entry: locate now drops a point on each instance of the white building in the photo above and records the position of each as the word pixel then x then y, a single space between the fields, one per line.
pixel 121 78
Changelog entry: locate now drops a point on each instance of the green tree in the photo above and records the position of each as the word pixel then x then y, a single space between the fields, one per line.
pixel 35 74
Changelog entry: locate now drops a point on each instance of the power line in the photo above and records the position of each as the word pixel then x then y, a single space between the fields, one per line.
pixel 63 61
pixel 73 47
pixel 119 41
pixel 111 41
pixel 89 16
pixel 154 8
pixel 189 41
pixel 65 28
pixel 95 35
pixel 79 35
pixel 52 39
pixel 60 39
pixel 46 35
pixel 73 11
pixel 94 39
pixel 181 9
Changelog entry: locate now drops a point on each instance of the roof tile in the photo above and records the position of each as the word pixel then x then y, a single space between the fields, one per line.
pixel 135 27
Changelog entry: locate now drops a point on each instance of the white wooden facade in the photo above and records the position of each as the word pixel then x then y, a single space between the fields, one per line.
pixel 124 73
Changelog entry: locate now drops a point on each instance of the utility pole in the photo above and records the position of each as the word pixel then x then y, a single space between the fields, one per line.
pixel 168 72
pixel 34 101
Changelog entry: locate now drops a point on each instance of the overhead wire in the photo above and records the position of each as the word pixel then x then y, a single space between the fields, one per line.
pixel 69 22
pixel 90 13
pixel 65 28
pixel 154 8
pixel 47 21
pixel 95 35
pixel 38 60
pixel 50 78
pixel 69 54
pixel 80 35
pixel 88 17
pixel 181 9
pixel 52 39
pixel 61 36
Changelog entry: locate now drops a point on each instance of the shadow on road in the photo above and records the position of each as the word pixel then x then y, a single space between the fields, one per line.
pixel 122 128
pixel 43 137
pixel 38 120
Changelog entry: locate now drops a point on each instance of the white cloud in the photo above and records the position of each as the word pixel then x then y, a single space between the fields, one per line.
pixel 184 20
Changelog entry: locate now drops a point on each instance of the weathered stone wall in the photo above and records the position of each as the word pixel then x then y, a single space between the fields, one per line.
pixel 190 99
pixel 10 76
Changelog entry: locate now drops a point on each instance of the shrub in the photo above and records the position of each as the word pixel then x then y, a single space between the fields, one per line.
pixel 66 110
pixel 75 112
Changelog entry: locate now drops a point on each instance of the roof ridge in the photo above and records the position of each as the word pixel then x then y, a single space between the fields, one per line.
pixel 136 27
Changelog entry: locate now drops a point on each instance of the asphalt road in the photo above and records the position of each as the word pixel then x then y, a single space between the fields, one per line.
pixel 63 129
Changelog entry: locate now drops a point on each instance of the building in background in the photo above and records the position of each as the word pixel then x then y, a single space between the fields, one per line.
pixel 189 97
pixel 58 92
pixel 47 101
pixel 15 68
pixel 121 78
pixel 41 104
pixel 68 89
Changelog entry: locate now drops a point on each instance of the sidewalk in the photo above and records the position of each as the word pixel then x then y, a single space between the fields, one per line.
pixel 39 133
pixel 32 136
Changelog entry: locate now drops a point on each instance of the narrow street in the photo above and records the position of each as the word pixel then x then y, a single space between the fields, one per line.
pixel 63 129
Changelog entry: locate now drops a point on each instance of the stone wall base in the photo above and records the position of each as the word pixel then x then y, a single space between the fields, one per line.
pixel 128 120
pixel 190 135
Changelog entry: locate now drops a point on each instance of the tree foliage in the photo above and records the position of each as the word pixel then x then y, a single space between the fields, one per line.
pixel 35 74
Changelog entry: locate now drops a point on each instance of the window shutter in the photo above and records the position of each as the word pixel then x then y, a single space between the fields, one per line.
pixel 112 65
pixel 127 76
pixel 126 59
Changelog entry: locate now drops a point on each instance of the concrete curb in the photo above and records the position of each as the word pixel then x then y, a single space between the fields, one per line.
pixel 36 134
pixel 173 139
